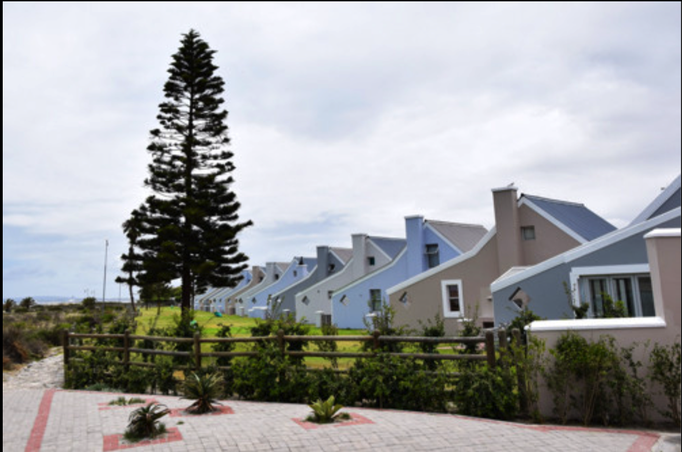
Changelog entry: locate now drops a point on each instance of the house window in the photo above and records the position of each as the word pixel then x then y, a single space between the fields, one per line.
pixel 371 261
pixel 432 255
pixel 453 304
pixel 295 273
pixel 330 294
pixel 253 300
pixel 375 300
pixel 276 277
pixel 344 300
pixel 403 299
pixel 629 284
pixel 306 301
pixel 331 268
pixel 528 232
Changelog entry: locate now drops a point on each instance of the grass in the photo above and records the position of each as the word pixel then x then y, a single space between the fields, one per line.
pixel 240 327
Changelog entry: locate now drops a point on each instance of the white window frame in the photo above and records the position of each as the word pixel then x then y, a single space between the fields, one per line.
pixel 608 272
pixel 447 313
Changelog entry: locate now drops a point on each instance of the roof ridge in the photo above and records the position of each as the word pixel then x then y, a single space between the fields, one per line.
pixel 397 239
pixel 454 223
pixel 559 201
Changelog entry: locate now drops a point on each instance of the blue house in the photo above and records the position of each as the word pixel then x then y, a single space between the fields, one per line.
pixel 256 301
pixel 615 264
pixel 213 300
pixel 428 244
pixel 330 261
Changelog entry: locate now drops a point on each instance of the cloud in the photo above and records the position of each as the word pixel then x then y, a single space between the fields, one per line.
pixel 344 118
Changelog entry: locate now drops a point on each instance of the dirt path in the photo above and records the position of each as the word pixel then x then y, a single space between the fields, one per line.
pixel 46 373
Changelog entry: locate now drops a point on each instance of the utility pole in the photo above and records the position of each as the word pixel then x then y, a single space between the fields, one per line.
pixel 104 287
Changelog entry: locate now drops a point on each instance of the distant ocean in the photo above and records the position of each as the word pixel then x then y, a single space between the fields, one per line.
pixel 62 300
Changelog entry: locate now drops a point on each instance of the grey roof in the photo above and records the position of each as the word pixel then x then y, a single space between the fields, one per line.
pixel 668 199
pixel 345 254
pixel 574 216
pixel 390 246
pixel 310 262
pixel 463 236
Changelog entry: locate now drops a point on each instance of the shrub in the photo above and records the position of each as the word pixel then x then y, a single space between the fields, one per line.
pixel 271 377
pixel 224 332
pixel 665 368
pixel 19 347
pixel 484 392
pixel 164 379
pixel 144 422
pixel 386 381
pixel 329 346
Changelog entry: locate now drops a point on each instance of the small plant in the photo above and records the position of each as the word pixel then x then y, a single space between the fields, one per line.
pixel 326 412
pixel 144 422
pixel 204 390
pixel 122 401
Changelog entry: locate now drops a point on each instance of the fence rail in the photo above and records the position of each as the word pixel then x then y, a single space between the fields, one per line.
pixel 283 340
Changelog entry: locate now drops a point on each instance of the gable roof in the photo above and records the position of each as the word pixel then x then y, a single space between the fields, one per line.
pixel 445 265
pixel 463 236
pixel 575 219
pixel 583 250
pixel 343 254
pixel 392 247
pixel 658 202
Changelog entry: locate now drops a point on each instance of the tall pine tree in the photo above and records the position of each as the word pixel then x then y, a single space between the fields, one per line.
pixel 189 225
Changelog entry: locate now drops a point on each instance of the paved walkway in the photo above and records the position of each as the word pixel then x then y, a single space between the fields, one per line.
pixel 61 421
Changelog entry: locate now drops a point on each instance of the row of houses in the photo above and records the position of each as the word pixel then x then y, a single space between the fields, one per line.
pixel 543 254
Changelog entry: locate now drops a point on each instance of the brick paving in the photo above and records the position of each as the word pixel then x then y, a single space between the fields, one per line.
pixel 75 421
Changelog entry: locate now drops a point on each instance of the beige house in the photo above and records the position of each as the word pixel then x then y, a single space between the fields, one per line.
pixel 528 230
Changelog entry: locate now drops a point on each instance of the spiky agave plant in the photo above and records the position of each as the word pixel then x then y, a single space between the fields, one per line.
pixel 204 390
pixel 144 422
pixel 325 412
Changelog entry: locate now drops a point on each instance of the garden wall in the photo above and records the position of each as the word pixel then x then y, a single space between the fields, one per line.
pixel 663 249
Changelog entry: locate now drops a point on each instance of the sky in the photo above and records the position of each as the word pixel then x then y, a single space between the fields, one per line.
pixel 344 118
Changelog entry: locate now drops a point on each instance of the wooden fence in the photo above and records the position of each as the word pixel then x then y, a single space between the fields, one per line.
pixel 282 340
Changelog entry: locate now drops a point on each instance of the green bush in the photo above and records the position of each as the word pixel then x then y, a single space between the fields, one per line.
pixel 665 368
pixel 386 381
pixel 484 392
pixel 271 377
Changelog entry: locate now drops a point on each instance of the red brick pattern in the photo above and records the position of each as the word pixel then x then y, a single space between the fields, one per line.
pixel 355 419
pixel 39 425
pixel 113 442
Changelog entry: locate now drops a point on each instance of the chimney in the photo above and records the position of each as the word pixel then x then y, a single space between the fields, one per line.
pixel 414 231
pixel 323 261
pixel 359 255
pixel 509 253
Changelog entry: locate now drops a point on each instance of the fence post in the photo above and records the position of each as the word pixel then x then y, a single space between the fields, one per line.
pixel 197 350
pixel 126 350
pixel 490 348
pixel 376 335
pixel 65 344
pixel 280 341
pixel 504 346
pixel 520 370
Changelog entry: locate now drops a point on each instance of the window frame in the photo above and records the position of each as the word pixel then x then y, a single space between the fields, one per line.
pixel 582 278
pixel 432 252
pixel 447 312
pixel 528 233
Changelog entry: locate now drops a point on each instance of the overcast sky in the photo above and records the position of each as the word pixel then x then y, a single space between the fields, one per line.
pixel 344 118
